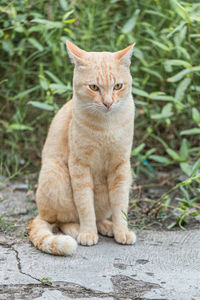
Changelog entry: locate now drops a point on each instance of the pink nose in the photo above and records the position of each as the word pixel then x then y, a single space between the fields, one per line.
pixel 108 104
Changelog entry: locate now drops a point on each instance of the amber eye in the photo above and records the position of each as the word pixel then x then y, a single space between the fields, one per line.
pixel 94 87
pixel 118 86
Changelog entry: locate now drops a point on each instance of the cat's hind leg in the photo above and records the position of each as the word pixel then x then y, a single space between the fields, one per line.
pixel 72 229
pixel 105 227
pixel 54 194
pixel 55 204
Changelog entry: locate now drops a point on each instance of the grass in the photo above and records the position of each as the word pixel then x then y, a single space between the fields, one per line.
pixel 5 225
pixel 46 281
pixel 37 75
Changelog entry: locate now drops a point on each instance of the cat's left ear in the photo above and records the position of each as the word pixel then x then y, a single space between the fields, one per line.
pixel 124 56
pixel 75 53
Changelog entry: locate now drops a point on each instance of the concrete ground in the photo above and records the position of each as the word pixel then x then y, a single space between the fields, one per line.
pixel 161 265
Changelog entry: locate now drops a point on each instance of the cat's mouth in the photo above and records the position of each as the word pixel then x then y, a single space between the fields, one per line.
pixel 108 110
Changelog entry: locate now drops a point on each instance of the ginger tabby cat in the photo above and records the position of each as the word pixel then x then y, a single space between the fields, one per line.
pixel 86 173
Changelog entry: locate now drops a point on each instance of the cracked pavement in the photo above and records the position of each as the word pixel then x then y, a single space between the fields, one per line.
pixel 161 265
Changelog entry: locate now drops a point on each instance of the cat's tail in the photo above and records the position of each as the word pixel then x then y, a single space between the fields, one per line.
pixel 42 237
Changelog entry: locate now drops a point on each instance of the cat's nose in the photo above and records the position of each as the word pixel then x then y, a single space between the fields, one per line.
pixel 107 104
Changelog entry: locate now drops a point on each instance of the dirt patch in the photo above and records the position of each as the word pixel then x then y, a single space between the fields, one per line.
pixel 124 288
pixel 133 289
pixel 32 291
pixel 142 261
pixel 146 191
pixel 17 207
pixel 120 266
pixel 11 292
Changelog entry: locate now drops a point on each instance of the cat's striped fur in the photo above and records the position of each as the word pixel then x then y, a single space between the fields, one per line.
pixel 86 174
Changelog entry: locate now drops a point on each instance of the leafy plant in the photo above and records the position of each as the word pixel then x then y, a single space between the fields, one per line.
pixel 46 281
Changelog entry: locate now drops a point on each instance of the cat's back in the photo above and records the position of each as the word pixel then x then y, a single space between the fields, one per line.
pixel 56 143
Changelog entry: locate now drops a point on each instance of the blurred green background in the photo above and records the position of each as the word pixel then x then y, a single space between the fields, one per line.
pixel 36 75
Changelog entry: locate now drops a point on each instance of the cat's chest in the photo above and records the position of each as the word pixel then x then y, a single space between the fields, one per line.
pixel 108 152
pixel 113 136
pixel 100 149
pixel 99 163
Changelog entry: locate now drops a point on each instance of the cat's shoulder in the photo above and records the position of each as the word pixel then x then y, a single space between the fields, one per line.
pixel 67 107
pixel 65 111
pixel 62 117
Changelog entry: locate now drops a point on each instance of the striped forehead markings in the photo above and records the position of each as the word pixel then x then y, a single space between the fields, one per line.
pixel 105 75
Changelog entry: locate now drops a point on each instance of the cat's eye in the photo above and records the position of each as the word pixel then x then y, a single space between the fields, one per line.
pixel 118 86
pixel 94 87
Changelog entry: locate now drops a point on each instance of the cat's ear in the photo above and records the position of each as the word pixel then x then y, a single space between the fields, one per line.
pixel 124 56
pixel 75 53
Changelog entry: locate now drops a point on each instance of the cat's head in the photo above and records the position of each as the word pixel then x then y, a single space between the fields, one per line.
pixel 102 80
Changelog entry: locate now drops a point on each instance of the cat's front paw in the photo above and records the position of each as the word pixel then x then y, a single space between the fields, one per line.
pixel 87 239
pixel 125 238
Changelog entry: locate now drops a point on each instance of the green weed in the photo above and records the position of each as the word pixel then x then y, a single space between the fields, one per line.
pixel 6 225
pixel 46 281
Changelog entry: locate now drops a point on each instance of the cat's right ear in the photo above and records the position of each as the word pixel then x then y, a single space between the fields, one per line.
pixel 124 56
pixel 75 53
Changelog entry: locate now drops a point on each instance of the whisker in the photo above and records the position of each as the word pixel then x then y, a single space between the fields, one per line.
pixel 94 108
